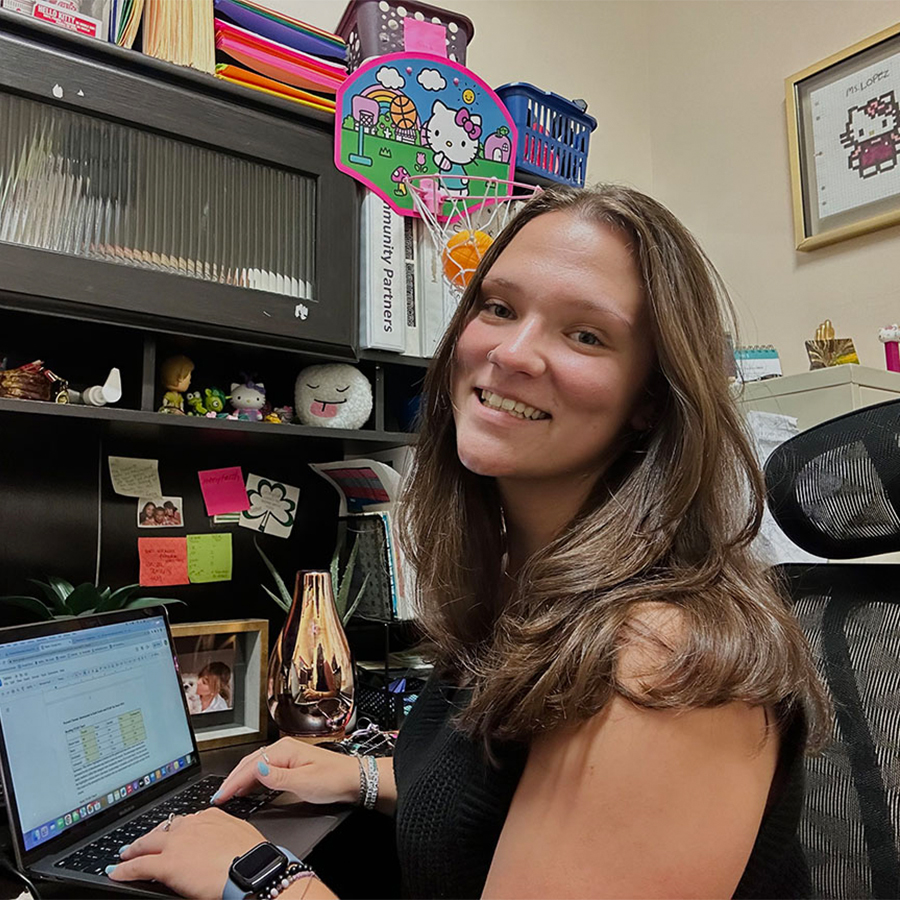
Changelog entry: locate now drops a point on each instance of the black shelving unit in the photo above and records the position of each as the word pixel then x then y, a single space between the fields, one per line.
pixel 82 316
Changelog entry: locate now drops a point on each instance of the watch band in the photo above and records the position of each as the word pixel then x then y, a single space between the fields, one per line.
pixel 296 869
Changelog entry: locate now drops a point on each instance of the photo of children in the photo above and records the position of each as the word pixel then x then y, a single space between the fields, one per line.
pixel 159 512
pixel 206 664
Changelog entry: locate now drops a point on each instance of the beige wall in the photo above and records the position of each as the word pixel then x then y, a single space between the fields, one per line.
pixel 689 96
pixel 720 161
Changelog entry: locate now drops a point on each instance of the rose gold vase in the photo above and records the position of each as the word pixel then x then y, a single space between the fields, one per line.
pixel 310 684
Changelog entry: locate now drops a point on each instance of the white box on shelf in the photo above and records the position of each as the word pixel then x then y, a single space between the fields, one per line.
pixel 382 294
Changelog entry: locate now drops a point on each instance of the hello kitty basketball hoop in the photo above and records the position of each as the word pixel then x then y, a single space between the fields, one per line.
pixel 432 140
pixel 463 227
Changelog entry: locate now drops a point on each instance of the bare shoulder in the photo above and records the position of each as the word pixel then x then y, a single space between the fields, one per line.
pixel 640 802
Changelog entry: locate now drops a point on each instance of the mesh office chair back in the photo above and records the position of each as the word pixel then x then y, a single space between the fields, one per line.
pixel 835 490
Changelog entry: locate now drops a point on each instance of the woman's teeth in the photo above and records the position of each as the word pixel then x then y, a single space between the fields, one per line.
pixel 513 407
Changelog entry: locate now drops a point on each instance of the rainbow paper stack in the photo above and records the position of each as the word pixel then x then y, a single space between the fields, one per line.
pixel 271 52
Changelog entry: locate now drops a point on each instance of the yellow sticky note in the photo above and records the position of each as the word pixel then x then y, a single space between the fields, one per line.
pixel 209 557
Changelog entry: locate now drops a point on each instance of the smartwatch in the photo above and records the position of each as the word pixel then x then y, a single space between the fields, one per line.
pixel 260 870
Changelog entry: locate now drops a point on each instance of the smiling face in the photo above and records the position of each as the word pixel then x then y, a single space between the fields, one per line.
pixel 333 395
pixel 554 364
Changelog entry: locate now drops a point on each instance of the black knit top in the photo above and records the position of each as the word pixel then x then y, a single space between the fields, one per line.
pixel 452 803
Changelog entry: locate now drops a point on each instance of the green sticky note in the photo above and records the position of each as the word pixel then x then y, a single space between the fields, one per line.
pixel 209 557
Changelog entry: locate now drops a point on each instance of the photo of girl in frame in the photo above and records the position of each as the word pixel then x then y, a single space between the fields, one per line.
pixel 207 664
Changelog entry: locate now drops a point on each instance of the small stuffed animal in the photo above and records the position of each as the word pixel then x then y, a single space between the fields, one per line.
pixel 248 399
pixel 333 395
pixel 194 400
pixel 214 400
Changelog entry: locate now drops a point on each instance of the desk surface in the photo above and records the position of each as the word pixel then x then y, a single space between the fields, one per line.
pixel 297 826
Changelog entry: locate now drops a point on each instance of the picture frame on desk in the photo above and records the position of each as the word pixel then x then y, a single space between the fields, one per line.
pixel 231 657
pixel 843 119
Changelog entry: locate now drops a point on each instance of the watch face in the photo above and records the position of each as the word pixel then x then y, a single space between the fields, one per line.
pixel 258 866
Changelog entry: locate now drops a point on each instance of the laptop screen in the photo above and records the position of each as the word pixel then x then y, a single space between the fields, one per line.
pixel 89 717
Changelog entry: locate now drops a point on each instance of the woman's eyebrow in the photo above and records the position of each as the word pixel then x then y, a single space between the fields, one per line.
pixel 599 307
pixel 585 304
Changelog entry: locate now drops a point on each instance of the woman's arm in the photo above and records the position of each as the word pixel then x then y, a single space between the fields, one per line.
pixel 387 787
pixel 638 803
pixel 311 773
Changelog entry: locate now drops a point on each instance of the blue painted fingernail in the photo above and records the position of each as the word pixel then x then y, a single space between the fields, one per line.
pixel 110 869
pixel 263 768
pixel 214 797
pixel 123 848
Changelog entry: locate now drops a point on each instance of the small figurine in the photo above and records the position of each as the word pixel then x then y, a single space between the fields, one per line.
pixel 248 399
pixel 194 401
pixel 890 337
pixel 333 395
pixel 175 377
pixel 214 400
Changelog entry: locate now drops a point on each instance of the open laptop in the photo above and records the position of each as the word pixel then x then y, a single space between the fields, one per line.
pixel 96 743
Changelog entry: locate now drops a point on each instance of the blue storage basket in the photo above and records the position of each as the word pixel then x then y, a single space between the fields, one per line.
pixel 554 133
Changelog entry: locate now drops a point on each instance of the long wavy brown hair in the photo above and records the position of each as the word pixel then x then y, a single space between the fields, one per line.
pixel 669 522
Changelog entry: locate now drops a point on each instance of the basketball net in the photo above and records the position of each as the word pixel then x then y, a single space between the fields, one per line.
pixel 462 227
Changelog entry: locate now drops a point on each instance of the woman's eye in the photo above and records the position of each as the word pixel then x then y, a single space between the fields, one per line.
pixel 498 310
pixel 588 338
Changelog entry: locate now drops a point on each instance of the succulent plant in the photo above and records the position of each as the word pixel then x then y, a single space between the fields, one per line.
pixel 63 600
pixel 340 583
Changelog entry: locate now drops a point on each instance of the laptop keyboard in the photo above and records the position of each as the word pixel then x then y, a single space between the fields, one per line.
pixel 96 856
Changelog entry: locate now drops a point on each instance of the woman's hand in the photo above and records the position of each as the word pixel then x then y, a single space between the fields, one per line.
pixel 313 774
pixel 192 857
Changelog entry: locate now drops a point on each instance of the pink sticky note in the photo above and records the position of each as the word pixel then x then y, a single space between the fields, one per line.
pixel 163 561
pixel 424 37
pixel 223 490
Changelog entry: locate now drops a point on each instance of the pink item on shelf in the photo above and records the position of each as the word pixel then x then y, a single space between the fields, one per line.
pixel 259 42
pixel 424 37
pixel 890 337
pixel 277 61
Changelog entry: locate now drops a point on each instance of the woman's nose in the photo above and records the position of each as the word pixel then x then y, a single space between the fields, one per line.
pixel 520 351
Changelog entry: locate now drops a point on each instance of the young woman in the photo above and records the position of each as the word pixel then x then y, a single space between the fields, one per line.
pixel 621 701
pixel 214 687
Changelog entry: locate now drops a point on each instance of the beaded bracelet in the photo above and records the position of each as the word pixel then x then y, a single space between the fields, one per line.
pixel 368 781
pixel 294 872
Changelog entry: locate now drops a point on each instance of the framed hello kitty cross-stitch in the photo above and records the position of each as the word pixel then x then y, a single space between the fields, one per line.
pixel 412 114
pixel 843 116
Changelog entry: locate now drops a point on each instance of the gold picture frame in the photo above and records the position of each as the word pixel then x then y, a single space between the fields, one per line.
pixel 843 120
pixel 232 658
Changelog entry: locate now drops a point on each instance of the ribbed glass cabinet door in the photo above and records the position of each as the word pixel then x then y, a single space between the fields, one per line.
pixel 82 185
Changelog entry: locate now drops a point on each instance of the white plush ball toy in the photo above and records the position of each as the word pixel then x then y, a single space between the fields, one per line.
pixel 334 395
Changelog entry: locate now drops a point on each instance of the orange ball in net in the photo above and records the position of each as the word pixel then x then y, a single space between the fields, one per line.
pixel 462 254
